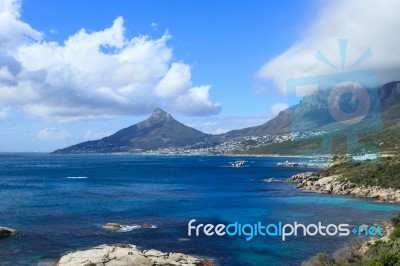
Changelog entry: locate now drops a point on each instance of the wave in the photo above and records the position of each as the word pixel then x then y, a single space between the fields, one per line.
pixel 128 228
pixel 77 177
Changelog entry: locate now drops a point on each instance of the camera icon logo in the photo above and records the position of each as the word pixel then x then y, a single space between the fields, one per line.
pixel 341 104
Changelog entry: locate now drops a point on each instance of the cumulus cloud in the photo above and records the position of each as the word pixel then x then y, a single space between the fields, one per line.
pixel 54 133
pixel 277 107
pixel 176 82
pixel 366 24
pixel 91 75
pixel 192 103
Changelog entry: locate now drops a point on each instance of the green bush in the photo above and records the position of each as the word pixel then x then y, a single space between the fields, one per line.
pixel 390 258
pixel 395 234
pixel 384 173
pixel 372 263
pixel 396 220
pixel 321 259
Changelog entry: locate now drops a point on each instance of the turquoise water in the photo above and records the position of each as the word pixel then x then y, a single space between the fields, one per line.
pixel 58 203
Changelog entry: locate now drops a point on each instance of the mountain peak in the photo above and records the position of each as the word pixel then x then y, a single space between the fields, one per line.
pixel 159 131
pixel 159 113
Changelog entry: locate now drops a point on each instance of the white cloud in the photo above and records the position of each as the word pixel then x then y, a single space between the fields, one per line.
pixel 365 23
pixel 175 82
pixel 54 133
pixel 277 107
pixel 193 102
pixel 92 135
pixel 91 75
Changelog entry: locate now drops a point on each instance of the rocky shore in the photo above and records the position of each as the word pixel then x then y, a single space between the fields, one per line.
pixel 335 185
pixel 129 255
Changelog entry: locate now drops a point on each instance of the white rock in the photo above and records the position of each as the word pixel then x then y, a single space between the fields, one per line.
pixel 127 255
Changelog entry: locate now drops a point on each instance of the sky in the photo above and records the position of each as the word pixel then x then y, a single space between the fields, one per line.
pixel 72 71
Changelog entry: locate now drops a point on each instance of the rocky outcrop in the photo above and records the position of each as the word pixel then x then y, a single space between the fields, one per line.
pixel 288 164
pixel 129 255
pixel 239 164
pixel 6 231
pixel 126 227
pixel 335 185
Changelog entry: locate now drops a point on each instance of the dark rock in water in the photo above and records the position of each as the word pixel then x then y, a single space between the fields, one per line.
pixel 289 164
pixel 6 231
pixel 126 227
pixel 112 226
pixel 239 164
pixel 145 226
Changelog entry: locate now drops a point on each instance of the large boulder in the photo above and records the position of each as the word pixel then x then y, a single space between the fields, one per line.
pixel 129 255
pixel 6 231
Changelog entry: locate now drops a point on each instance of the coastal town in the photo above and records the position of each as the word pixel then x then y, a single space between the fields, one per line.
pixel 228 146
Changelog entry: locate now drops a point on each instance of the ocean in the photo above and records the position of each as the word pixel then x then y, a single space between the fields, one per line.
pixel 59 202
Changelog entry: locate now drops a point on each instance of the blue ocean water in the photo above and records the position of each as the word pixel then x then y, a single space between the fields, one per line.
pixel 58 203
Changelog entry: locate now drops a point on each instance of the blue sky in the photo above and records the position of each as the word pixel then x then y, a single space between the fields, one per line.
pixel 215 65
pixel 225 42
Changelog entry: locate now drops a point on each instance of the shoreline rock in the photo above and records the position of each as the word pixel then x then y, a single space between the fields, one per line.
pixel 129 255
pixel 334 185
pixel 6 231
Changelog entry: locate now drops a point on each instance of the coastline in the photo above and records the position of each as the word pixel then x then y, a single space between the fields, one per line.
pixel 358 252
pixel 193 155
pixel 367 252
pixel 333 185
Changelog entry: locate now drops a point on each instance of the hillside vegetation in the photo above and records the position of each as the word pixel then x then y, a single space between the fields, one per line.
pixel 384 172
pixel 386 140
pixel 381 253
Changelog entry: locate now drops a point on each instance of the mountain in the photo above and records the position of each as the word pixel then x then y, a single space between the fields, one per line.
pixel 312 112
pixel 160 130
pixel 381 127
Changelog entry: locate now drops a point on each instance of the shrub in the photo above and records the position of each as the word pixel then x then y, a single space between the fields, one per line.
pixel 395 234
pixel 390 258
pixel 321 259
pixel 396 220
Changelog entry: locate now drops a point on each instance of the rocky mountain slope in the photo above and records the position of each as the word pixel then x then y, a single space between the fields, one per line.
pixel 159 131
